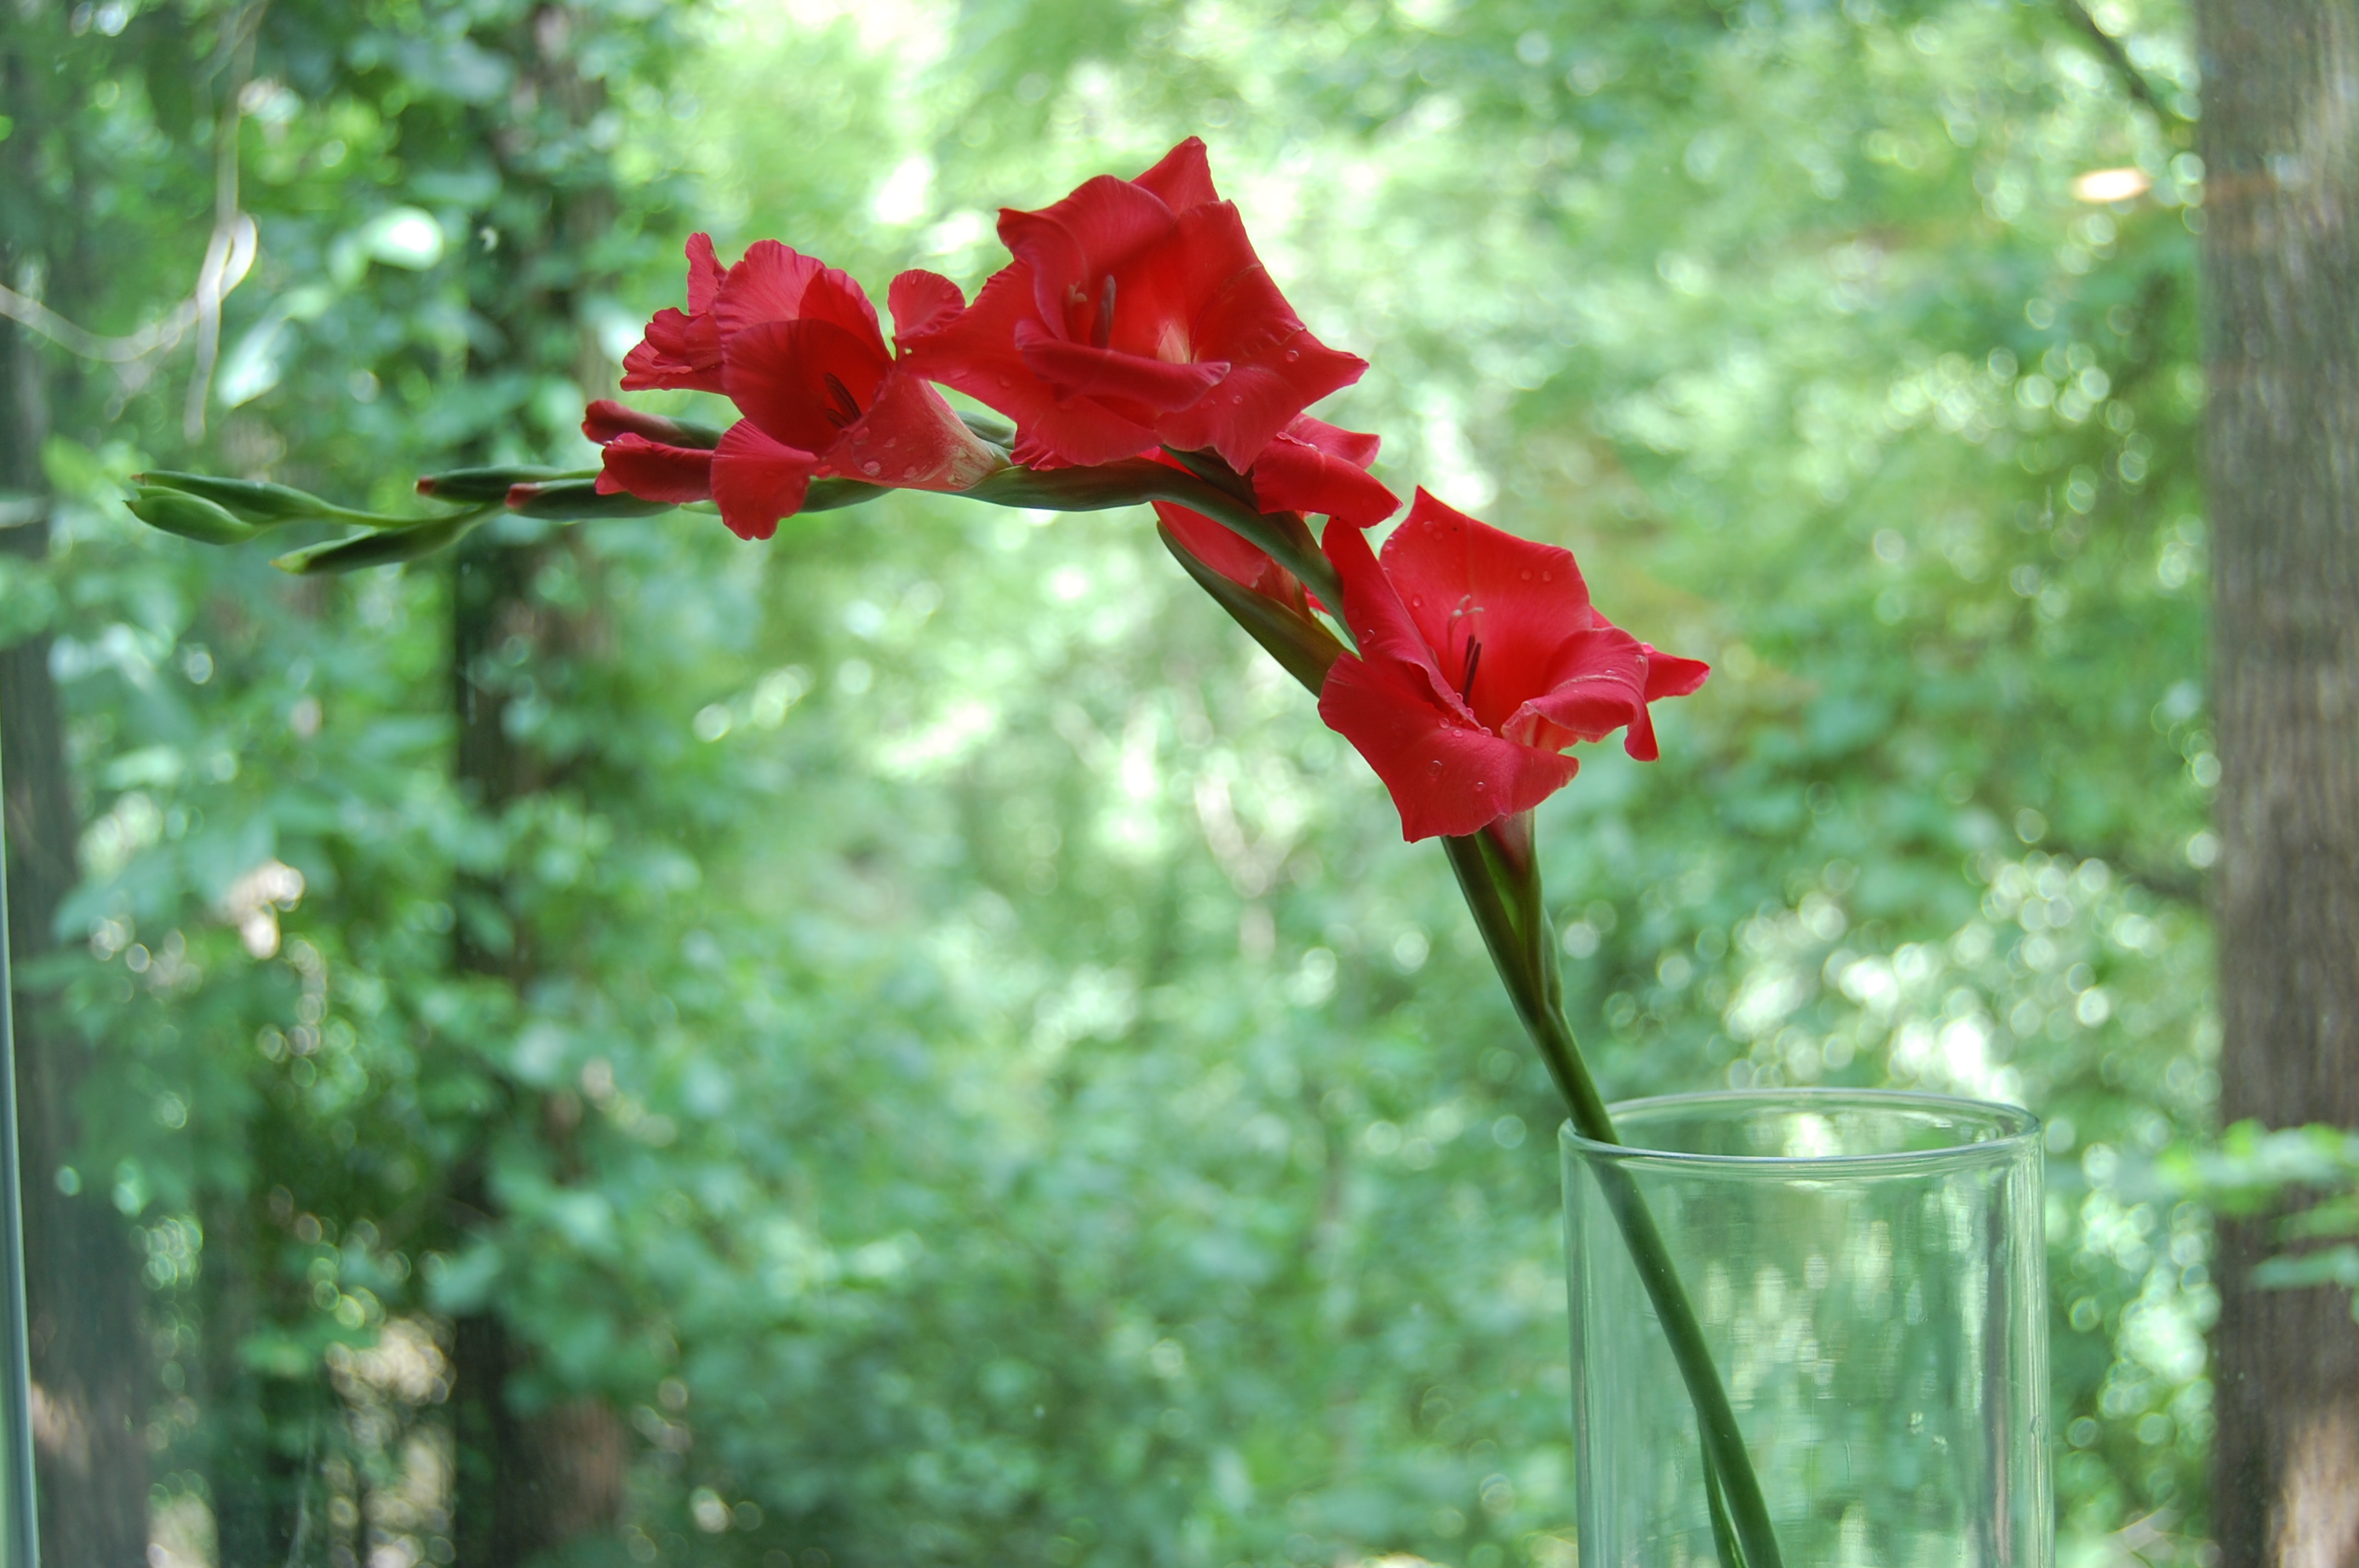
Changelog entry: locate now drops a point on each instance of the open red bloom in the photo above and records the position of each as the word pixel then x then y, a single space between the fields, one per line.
pixel 1309 467
pixel 1481 660
pixel 1135 315
pixel 796 346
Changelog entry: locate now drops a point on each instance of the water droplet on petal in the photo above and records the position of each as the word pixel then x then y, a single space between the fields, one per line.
pixel 872 466
pixel 1416 601
pixel 1548 577
pixel 1527 574
pixel 1292 355
pixel 910 472
pixel 1006 381
pixel 1481 784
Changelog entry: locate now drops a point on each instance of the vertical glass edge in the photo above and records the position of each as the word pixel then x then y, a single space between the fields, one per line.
pixel 19 1532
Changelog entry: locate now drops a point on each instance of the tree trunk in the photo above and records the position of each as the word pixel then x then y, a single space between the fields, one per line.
pixel 81 1286
pixel 526 1483
pixel 2280 144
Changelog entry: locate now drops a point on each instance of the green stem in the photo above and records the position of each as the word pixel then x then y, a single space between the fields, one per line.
pixel 1526 970
pixel 1523 952
pixel 1283 535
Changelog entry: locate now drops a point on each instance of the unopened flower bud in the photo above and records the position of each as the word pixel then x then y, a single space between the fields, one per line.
pixel 577 500
pixel 189 517
pixel 481 485
pixel 257 501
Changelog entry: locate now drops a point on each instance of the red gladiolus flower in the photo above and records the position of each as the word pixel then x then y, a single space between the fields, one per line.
pixel 1309 467
pixel 796 346
pixel 1481 660
pixel 1135 315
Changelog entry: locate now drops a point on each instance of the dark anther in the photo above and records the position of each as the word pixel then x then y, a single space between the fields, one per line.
pixel 1102 333
pixel 842 409
pixel 1474 662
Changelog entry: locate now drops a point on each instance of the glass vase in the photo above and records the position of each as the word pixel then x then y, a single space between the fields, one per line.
pixel 1867 1271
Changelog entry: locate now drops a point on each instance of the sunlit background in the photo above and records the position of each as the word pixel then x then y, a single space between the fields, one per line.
pixel 936 1055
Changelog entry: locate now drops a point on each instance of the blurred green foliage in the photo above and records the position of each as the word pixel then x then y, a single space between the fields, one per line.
pixel 991 1085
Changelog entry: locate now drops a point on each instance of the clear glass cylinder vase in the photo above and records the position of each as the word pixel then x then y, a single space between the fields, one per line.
pixel 1867 1272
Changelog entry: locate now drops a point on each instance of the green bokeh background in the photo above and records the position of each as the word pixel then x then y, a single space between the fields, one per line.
pixel 992 1085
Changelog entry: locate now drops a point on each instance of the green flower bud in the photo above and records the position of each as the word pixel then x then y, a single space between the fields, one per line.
pixel 480 485
pixel 189 517
pixel 250 501
pixel 578 501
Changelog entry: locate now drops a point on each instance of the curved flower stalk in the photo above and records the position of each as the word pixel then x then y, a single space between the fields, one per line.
pixel 1146 358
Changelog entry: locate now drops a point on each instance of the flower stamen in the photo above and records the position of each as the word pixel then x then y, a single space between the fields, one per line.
pixel 842 409
pixel 1102 332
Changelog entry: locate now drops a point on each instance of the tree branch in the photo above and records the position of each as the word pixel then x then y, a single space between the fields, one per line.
pixel 2134 81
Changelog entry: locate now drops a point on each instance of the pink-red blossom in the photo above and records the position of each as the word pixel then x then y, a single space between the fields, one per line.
pixel 796 345
pixel 1135 315
pixel 1481 660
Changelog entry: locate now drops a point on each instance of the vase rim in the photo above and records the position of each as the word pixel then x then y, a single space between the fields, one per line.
pixel 2012 1127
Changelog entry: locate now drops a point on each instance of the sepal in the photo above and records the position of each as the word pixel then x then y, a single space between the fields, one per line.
pixel 1303 648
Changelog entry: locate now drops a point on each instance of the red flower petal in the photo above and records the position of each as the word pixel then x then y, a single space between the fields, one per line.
pixel 1121 296
pixel 922 302
pixel 1383 626
pixel 804 382
pixel 678 353
pixel 1355 447
pixel 1079 434
pixel 1593 683
pixel 1446 776
pixel 1468 582
pixel 975 352
pixel 1183 178
pixel 1293 475
pixel 705 274
pixel 911 439
pixel 1077 370
pixel 1236 313
pixel 775 283
pixel 653 471
pixel 1073 243
pixel 759 481
pixel 1669 676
